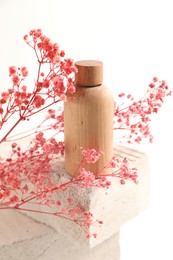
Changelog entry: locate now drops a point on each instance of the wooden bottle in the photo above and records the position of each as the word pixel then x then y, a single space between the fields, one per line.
pixel 88 118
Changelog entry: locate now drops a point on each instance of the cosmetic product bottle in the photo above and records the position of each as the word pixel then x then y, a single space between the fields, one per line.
pixel 88 119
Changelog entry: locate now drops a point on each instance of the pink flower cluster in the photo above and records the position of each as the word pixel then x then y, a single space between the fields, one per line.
pixel 50 53
pixel 119 168
pixel 90 155
pixel 134 119
pixel 25 174
pixel 50 87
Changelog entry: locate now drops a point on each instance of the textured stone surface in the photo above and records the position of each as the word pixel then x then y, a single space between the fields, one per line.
pixel 15 226
pixel 114 206
pixel 22 238
pixel 108 250
pixel 45 237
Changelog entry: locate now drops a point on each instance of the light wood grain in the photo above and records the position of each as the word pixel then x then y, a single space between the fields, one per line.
pixel 90 73
pixel 88 119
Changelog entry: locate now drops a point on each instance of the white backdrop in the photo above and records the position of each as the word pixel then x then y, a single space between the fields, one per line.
pixel 134 39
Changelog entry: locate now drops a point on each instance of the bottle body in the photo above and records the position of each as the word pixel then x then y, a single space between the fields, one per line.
pixel 88 123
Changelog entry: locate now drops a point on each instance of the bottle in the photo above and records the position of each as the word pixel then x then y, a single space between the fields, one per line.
pixel 88 119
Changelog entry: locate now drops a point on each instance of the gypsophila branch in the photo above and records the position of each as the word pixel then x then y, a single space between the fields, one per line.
pixel 26 176
pixel 135 118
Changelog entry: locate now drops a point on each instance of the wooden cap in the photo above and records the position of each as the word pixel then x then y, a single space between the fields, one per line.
pixel 90 73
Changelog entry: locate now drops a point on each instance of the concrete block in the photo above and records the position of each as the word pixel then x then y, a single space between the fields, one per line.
pixel 62 249
pixel 22 238
pixel 114 206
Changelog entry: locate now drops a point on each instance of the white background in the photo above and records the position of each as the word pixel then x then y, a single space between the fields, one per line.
pixel 134 39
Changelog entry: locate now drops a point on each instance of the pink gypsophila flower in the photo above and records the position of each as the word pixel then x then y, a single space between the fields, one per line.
pixel 24 71
pixel 12 70
pixel 15 80
pixel 90 155
pixel 87 176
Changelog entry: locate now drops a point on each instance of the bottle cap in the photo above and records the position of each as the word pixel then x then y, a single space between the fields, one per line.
pixel 90 73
